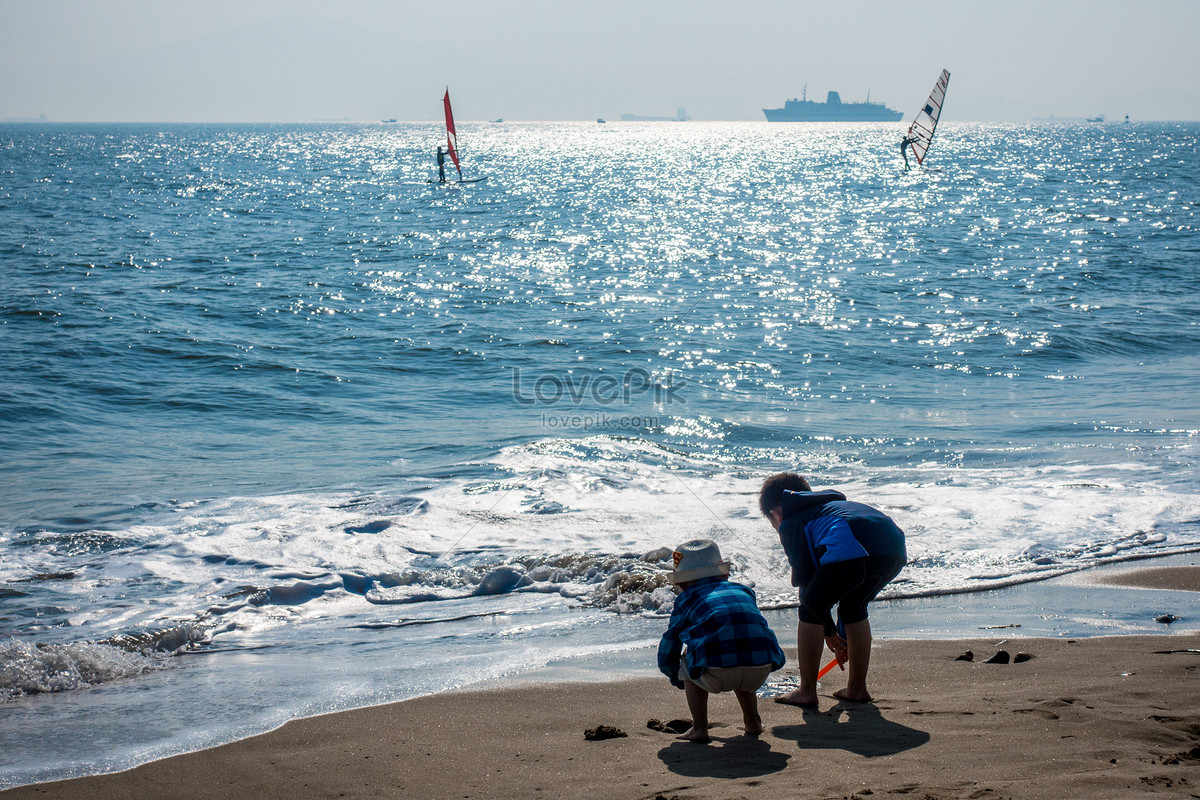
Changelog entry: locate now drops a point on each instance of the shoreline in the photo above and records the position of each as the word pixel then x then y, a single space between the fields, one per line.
pixel 1109 600
pixel 1100 717
pixel 602 683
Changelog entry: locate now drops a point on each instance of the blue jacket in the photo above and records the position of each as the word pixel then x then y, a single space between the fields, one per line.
pixel 721 625
pixel 824 527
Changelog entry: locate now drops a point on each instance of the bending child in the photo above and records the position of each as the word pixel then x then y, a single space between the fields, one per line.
pixel 717 639
pixel 840 552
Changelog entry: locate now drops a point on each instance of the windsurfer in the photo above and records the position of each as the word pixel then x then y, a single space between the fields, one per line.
pixel 441 162
pixel 922 128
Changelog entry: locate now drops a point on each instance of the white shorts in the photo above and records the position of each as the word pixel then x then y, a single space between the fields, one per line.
pixel 726 679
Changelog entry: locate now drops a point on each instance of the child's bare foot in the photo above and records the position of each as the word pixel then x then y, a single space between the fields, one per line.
pixel 853 697
pixel 753 727
pixel 797 698
pixel 693 735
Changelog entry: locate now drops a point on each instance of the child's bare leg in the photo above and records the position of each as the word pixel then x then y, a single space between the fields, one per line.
pixel 810 639
pixel 697 700
pixel 858 642
pixel 751 721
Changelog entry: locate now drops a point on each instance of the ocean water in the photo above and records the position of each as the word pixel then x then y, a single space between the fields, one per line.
pixel 285 428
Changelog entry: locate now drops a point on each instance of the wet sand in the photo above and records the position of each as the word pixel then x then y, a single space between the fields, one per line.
pixel 1181 578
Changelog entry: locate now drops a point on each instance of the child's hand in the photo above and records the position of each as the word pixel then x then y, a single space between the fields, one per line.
pixel 838 645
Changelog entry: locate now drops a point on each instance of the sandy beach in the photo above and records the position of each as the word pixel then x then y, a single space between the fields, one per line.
pixel 1103 717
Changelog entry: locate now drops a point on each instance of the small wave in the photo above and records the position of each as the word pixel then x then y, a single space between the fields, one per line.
pixel 294 594
pixel 166 641
pixel 27 668
pixel 625 584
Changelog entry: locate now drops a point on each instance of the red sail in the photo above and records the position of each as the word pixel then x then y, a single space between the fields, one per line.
pixel 451 136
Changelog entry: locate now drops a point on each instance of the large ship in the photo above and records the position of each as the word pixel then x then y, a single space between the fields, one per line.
pixel 832 110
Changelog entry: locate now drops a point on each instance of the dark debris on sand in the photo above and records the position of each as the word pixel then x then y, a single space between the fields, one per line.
pixel 1187 755
pixel 601 732
pixel 674 726
pixel 1001 657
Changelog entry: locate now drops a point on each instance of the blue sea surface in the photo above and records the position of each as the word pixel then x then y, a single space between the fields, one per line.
pixel 286 427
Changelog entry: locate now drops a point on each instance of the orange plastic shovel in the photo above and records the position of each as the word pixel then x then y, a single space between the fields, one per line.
pixel 826 668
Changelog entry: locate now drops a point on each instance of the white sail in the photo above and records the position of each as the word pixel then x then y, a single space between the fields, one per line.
pixel 920 133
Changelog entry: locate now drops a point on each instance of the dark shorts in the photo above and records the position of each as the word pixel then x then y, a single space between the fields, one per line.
pixel 851 584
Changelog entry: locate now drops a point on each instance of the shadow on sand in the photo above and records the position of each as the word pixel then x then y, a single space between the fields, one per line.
pixel 735 757
pixel 863 731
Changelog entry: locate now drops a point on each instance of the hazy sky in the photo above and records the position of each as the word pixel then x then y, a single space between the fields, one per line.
pixel 282 60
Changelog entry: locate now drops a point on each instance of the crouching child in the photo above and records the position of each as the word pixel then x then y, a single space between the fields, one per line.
pixel 717 639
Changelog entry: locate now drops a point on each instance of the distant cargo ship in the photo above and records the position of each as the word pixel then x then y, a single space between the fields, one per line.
pixel 832 110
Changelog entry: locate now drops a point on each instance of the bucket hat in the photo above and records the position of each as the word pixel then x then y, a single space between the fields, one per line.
pixel 699 558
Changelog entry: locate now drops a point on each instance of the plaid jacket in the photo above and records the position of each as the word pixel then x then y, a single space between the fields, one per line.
pixel 721 625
